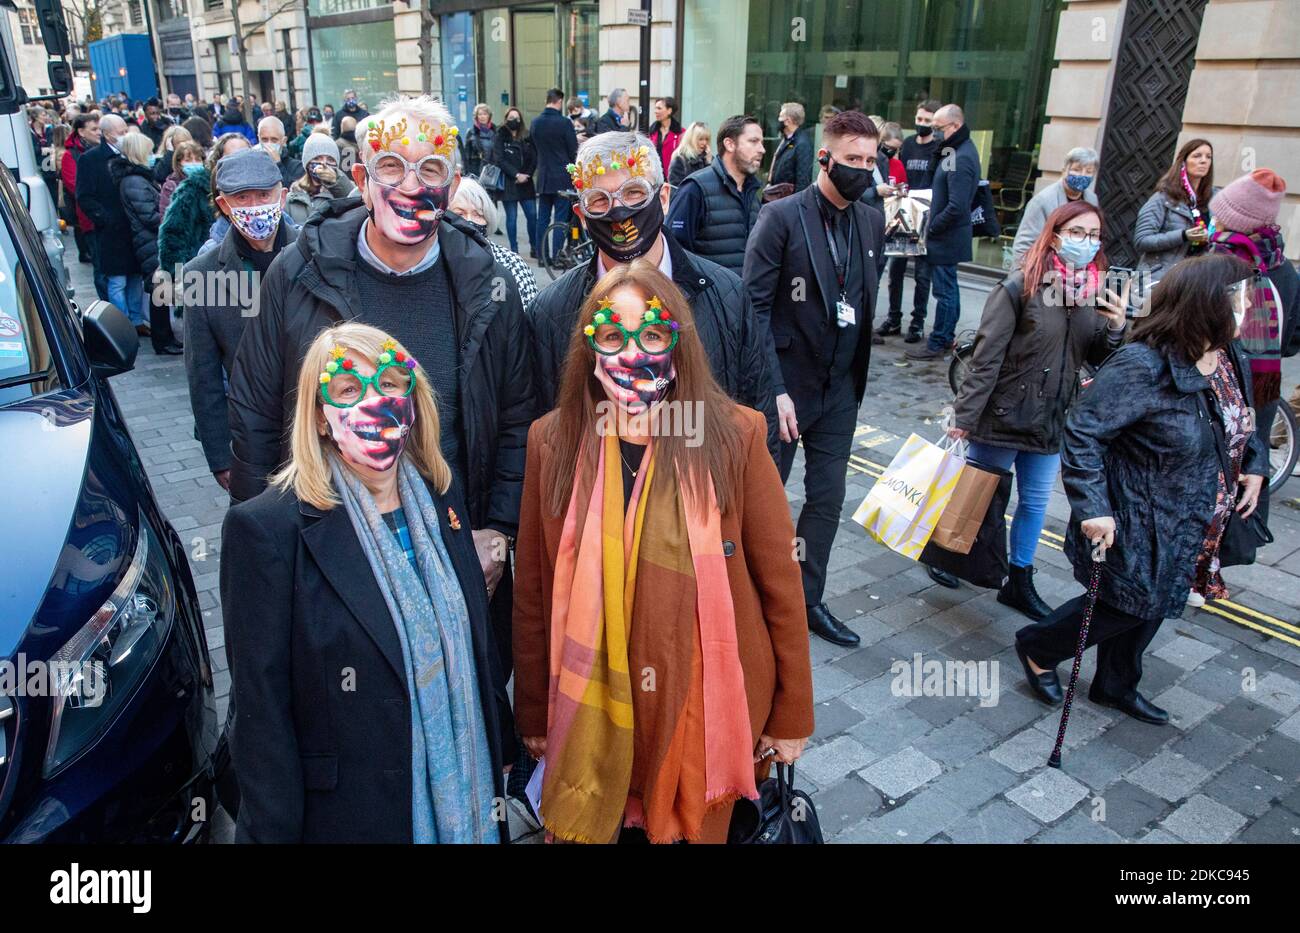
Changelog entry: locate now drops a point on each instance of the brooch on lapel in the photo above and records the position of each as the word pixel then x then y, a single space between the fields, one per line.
pixel 453 519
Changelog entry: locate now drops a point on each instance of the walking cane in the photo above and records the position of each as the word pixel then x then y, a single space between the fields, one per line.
pixel 1098 557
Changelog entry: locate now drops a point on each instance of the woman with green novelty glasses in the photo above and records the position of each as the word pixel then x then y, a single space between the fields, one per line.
pixel 350 582
pixel 660 636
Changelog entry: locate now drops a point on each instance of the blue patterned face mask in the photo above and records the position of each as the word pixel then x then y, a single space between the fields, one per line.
pixel 1078 182
pixel 256 223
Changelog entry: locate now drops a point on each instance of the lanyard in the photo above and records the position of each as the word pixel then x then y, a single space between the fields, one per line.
pixel 841 275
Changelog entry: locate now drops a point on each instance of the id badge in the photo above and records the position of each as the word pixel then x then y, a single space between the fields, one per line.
pixel 845 316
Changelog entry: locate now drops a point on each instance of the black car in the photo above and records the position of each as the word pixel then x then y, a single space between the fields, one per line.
pixel 108 726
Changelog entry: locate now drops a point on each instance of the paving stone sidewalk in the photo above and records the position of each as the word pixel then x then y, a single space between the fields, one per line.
pixel 885 766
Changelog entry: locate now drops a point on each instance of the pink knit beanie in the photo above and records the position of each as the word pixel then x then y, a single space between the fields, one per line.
pixel 1250 202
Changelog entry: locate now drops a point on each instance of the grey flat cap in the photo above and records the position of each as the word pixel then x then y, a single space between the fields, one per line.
pixel 247 170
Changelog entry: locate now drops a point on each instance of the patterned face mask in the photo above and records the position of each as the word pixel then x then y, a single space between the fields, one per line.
pixel 257 223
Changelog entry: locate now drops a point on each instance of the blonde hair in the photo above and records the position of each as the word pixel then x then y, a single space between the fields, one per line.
pixel 137 148
pixel 308 471
pixel 689 147
pixel 175 135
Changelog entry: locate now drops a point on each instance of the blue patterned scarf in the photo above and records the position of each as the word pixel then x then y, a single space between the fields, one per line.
pixel 452 791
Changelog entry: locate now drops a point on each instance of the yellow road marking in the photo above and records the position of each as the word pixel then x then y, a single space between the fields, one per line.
pixel 1246 622
pixel 1257 614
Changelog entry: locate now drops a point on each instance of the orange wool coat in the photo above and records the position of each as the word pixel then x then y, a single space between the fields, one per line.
pixel 771 620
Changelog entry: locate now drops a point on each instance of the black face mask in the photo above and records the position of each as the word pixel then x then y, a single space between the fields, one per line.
pixel 888 152
pixel 627 232
pixel 850 182
pixel 513 124
pixel 924 131
pixel 349 135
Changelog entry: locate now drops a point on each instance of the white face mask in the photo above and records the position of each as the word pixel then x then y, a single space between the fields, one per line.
pixel 272 148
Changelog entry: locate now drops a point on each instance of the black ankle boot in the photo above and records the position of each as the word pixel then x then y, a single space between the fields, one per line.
pixel 1019 593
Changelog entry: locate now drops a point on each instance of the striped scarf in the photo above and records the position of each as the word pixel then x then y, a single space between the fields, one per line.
pixel 660 745
pixel 1261 329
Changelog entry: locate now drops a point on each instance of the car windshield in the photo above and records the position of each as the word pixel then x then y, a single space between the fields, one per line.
pixel 26 366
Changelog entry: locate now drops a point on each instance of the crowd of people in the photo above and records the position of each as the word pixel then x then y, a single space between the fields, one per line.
pixel 443 477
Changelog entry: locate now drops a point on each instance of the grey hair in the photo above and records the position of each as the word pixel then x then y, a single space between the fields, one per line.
pixel 472 191
pixel 110 124
pixel 606 144
pixel 424 107
pixel 268 120
pixel 1082 155
pixel 619 93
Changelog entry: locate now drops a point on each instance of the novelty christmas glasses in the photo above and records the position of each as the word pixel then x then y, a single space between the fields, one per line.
pixel 596 201
pixel 390 169
pixel 342 386
pixel 655 332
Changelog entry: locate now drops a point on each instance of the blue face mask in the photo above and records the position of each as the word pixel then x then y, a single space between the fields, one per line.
pixel 1076 254
pixel 1078 182
pixel 192 168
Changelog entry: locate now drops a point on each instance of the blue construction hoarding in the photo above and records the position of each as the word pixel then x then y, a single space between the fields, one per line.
pixel 123 64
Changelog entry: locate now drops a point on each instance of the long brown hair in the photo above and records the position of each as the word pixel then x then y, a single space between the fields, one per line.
pixel 575 434
pixel 1038 261
pixel 1171 182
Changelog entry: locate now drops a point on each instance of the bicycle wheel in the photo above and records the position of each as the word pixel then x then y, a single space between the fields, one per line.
pixel 959 367
pixel 553 260
pixel 1283 447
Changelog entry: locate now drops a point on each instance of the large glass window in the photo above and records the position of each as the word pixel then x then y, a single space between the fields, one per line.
pixel 26 367
pixel 361 56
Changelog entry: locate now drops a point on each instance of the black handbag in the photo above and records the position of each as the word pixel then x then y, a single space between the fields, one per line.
pixel 780 816
pixel 1242 537
pixel 987 564
pixel 983 217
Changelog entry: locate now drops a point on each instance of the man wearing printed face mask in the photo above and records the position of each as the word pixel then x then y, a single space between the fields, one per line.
pixel 351 108
pixel 250 195
pixel 270 139
pixel 815 310
pixel 622 205
pixel 394 258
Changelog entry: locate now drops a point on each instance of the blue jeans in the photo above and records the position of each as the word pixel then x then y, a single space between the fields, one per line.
pixel 1035 477
pixel 127 292
pixel 545 204
pixel 512 222
pixel 947 306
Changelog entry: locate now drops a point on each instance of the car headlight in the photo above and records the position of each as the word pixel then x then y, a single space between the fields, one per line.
pixel 100 666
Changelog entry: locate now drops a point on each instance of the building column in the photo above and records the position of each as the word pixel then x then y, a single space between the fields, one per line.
pixel 1244 97
pixel 410 67
pixel 620 51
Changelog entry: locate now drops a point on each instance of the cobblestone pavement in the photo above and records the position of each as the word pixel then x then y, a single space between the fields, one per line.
pixel 889 767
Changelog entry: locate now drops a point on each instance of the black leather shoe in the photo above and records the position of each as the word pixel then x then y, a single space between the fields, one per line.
pixel 913 336
pixel 889 329
pixel 942 577
pixel 1140 708
pixel 1019 593
pixel 1046 686
pixel 824 625
pixel 172 349
pixel 877 340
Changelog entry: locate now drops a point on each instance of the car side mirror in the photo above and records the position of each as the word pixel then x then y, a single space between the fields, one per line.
pixel 110 338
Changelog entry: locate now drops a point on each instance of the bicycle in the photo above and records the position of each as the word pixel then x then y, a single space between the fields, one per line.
pixel 576 248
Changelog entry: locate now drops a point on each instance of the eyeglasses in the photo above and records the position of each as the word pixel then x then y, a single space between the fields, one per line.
pixel 635 192
pixel 611 339
pixel 1079 235
pixel 346 389
pixel 390 170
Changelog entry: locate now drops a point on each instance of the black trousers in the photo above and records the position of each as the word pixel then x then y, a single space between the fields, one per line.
pixel 1120 639
pixel 920 294
pixel 826 430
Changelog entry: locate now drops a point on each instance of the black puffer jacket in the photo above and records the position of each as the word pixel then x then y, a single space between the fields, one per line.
pixel 139 193
pixel 1025 370
pixel 1139 446
pixel 311 286
pixel 723 316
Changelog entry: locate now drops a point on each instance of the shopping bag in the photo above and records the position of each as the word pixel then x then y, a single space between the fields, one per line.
pixel 986 564
pixel 964 514
pixel 902 507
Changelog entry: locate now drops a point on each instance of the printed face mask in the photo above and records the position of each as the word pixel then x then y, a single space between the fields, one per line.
pixel 256 223
pixel 372 434
pixel 408 218
pixel 628 232
pixel 1078 182
pixel 635 380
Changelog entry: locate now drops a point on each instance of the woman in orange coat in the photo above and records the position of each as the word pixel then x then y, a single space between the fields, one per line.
pixel 660 635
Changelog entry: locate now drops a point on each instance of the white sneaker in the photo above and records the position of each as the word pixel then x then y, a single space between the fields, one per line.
pixel 1195 600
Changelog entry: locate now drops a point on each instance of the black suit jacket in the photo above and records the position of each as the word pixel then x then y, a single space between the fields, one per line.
pixel 557 145
pixel 791 282
pixel 321 731
pixel 99 200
